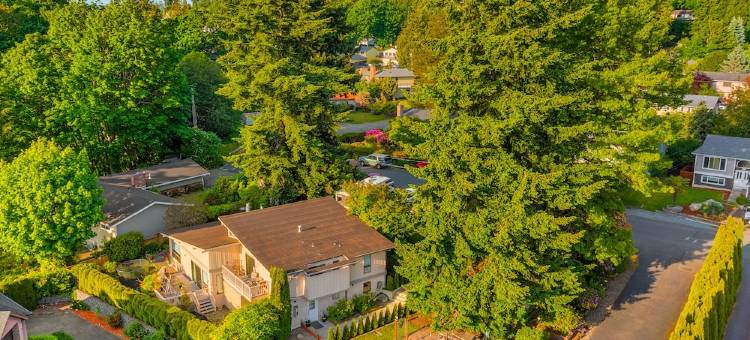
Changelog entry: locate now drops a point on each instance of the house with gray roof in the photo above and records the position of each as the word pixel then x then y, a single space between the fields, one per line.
pixel 129 209
pixel 404 78
pixel 170 177
pixel 723 82
pixel 691 102
pixel 13 319
pixel 723 163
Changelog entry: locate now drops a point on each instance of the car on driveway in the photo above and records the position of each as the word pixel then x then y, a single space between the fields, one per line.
pixel 375 160
pixel 378 180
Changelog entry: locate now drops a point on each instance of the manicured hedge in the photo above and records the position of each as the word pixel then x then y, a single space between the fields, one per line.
pixel 714 289
pixel 128 246
pixel 366 323
pixel 174 321
pixel 29 288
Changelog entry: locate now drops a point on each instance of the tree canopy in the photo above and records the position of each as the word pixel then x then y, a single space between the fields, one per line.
pixel 379 19
pixel 547 114
pixel 284 59
pixel 103 79
pixel 254 321
pixel 49 201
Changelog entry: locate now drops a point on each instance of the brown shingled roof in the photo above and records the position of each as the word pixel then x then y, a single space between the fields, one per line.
pixel 204 236
pixel 168 171
pixel 328 231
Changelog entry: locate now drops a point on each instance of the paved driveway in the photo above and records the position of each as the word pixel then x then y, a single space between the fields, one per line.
pixel 401 178
pixel 51 319
pixel 671 250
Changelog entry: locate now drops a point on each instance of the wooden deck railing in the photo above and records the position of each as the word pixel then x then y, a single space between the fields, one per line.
pixel 249 291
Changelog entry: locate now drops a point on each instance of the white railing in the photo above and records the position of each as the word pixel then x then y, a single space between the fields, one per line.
pixel 248 291
pixel 170 299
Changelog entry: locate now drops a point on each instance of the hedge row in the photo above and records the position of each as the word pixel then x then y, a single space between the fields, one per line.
pixel 366 323
pixel 714 289
pixel 174 321
pixel 29 288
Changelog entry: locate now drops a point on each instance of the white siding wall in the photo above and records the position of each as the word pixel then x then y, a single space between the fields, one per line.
pixel 327 283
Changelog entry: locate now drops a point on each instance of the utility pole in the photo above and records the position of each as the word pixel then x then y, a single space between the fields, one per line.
pixel 195 114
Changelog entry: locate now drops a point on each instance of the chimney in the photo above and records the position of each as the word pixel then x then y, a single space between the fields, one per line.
pixel 373 72
pixel 399 108
pixel 299 228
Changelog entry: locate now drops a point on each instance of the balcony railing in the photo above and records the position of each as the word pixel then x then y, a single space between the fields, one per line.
pixel 247 286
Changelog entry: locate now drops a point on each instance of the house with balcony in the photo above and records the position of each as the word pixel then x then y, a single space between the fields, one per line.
pixel 327 254
pixel 723 163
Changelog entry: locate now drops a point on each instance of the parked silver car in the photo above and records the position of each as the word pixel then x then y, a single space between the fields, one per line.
pixel 375 160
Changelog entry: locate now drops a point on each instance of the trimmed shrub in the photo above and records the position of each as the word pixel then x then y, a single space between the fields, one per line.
pixel 255 321
pixel 357 327
pixel 114 320
pixel 128 246
pixel 109 267
pixel 27 289
pixel 714 288
pixel 135 330
pixel 175 322
pixel 363 302
pixel 528 333
pixel 158 335
pixel 53 336
pixel 346 334
pixel 331 333
pixel 340 310
pixel 742 200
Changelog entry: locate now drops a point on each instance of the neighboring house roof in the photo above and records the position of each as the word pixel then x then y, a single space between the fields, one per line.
pixel 294 235
pixel 422 114
pixel 725 146
pixel 693 100
pixel 358 57
pixel 123 202
pixel 396 73
pixel 204 236
pixel 726 76
pixel 169 171
pixel 8 305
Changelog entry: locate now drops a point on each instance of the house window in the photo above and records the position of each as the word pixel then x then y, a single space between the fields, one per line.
pixel 368 263
pixel 726 84
pixel 295 311
pixel 312 305
pixel 714 163
pixel 366 287
pixel 335 297
pixel 379 286
pixel 713 180
pixel 175 249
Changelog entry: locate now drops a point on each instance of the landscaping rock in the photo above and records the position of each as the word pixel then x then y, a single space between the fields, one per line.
pixel 675 209
pixel 695 206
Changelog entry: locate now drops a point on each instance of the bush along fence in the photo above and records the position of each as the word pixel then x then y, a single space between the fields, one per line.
pixel 367 323
pixel 174 321
pixel 714 289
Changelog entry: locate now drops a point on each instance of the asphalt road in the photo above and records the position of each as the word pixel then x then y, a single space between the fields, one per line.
pixel 738 327
pixel 401 178
pixel 345 128
pixel 671 250
pixel 51 319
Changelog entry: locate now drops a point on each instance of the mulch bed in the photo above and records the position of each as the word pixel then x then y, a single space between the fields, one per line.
pixel 95 320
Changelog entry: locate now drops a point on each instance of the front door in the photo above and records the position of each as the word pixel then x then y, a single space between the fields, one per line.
pixel 312 311
pixel 197 274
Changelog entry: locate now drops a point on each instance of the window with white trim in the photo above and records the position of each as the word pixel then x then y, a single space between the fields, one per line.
pixel 368 263
pixel 713 180
pixel 714 163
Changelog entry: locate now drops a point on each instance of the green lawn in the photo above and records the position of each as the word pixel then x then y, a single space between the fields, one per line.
pixel 228 147
pixel 658 201
pixel 364 116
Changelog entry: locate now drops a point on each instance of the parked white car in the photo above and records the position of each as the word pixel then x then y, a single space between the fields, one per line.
pixel 378 180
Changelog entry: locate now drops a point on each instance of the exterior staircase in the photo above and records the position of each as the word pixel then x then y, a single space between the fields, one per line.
pixel 204 304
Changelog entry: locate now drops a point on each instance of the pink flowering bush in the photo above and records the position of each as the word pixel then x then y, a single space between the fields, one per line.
pixel 377 134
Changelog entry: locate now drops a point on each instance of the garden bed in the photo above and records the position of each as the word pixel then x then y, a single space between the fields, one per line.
pixel 415 323
pixel 92 318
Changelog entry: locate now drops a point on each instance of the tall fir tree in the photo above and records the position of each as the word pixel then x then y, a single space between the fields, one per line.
pixel 546 116
pixel 284 60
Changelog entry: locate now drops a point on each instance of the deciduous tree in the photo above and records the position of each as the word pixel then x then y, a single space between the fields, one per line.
pixel 379 19
pixel 49 202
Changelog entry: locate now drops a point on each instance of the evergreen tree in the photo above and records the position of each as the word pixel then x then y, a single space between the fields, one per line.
pixel 379 19
pixel 284 60
pixel 736 61
pixel 530 141
pixel 737 30
pixel 281 298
